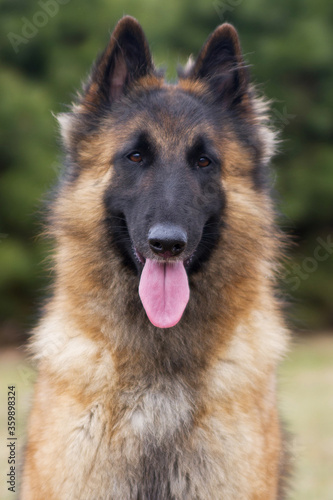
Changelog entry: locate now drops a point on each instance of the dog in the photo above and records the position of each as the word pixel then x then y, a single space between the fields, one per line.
pixel 157 353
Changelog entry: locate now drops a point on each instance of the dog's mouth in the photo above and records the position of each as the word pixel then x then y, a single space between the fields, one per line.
pixel 164 288
pixel 164 284
pixel 142 260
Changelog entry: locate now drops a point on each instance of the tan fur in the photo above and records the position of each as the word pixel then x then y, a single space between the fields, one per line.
pixel 101 392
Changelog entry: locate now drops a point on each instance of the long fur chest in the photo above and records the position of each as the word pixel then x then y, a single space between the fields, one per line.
pixel 155 440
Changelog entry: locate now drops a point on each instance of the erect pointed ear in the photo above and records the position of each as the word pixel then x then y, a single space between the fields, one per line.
pixel 125 59
pixel 220 62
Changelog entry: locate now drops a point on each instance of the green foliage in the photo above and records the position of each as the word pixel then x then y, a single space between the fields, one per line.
pixel 289 47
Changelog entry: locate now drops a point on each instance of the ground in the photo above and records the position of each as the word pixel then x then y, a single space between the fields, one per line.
pixel 306 403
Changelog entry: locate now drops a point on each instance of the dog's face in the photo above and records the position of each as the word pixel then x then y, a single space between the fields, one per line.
pixel 166 147
pixel 165 200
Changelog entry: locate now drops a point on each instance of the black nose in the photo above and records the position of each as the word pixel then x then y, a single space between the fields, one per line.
pixel 167 240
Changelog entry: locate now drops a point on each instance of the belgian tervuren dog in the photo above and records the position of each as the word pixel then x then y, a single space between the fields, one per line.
pixel 158 350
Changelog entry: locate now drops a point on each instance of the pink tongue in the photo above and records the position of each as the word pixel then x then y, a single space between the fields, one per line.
pixel 164 292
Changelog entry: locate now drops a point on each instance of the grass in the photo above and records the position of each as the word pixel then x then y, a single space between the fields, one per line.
pixel 306 402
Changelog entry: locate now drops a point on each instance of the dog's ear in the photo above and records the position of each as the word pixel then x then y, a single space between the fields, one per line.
pixel 125 59
pixel 221 64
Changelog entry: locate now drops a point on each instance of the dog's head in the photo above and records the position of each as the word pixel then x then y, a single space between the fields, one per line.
pixel 158 158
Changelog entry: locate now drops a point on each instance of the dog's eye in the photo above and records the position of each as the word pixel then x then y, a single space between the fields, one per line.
pixel 135 156
pixel 203 162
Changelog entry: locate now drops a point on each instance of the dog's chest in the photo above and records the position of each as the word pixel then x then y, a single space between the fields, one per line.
pixel 159 413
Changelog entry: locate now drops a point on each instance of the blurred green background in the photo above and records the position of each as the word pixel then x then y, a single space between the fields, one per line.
pixel 47 48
